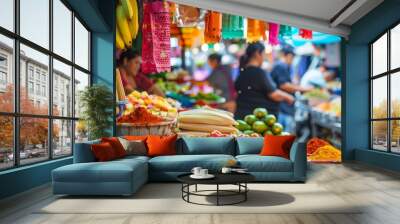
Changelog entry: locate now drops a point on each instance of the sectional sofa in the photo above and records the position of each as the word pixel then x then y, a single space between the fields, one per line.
pixel 125 176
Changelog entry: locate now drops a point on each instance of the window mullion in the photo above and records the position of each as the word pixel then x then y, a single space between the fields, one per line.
pixel 73 81
pixel 389 104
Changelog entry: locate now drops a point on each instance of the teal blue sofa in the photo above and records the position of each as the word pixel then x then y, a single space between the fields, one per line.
pixel 125 176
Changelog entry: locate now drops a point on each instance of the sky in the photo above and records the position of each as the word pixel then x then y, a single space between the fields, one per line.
pixel 34 23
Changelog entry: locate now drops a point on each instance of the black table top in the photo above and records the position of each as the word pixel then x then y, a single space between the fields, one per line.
pixel 220 178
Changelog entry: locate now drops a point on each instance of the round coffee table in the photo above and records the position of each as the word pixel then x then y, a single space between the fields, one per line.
pixel 238 179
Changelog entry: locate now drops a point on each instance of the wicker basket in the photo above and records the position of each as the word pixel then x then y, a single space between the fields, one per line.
pixel 160 128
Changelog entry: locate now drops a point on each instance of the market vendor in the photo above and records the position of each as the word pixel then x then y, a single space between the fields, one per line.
pixel 132 78
pixel 221 80
pixel 281 75
pixel 254 88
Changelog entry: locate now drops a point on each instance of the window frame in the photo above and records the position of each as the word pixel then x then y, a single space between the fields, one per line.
pixel 16 115
pixel 388 74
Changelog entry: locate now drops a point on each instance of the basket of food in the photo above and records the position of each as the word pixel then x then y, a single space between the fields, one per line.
pixel 145 114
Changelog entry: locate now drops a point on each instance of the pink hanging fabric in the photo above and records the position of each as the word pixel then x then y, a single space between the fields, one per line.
pixel 273 33
pixel 156 38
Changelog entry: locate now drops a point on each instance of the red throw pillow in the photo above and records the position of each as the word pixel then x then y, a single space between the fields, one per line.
pixel 135 137
pixel 277 145
pixel 161 145
pixel 103 152
pixel 116 145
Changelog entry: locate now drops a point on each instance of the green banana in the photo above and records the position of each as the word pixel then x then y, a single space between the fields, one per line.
pixel 126 5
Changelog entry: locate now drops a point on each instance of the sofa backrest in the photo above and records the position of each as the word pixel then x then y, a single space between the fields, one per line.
pixel 246 145
pixel 83 153
pixel 206 145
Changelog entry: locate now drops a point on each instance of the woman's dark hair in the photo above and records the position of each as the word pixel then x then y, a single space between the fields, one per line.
pixel 216 57
pixel 251 50
pixel 129 54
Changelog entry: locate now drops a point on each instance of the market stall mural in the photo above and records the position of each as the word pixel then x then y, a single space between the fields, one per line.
pixel 164 57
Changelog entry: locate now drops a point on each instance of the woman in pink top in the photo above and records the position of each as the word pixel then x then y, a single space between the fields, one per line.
pixel 132 79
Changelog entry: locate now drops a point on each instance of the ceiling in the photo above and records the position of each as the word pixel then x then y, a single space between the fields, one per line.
pixel 327 16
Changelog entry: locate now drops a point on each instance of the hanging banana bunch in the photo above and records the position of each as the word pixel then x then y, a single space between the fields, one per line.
pixel 127 14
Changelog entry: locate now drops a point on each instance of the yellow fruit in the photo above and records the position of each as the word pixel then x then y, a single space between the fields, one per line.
pixel 126 5
pixel 134 23
pixel 118 40
pixel 123 27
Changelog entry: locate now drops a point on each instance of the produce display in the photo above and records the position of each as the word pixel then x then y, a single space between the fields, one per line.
pixel 260 123
pixel 319 150
pixel 206 120
pixel 127 16
pixel 331 107
pixel 143 108
pixel 189 93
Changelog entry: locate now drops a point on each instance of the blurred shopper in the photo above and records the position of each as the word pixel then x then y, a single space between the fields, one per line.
pixel 254 87
pixel 221 80
pixel 132 78
pixel 281 75
pixel 317 77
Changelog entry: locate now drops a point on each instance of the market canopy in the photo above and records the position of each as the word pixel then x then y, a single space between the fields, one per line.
pixel 327 16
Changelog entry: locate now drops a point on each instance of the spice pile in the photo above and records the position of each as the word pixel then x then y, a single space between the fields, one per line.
pixel 319 150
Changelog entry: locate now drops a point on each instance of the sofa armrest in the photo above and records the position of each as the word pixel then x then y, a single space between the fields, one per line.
pixel 83 152
pixel 298 156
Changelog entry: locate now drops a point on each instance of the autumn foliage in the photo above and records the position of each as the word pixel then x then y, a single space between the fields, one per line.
pixel 33 131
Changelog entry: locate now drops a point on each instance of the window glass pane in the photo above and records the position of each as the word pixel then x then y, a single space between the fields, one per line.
pixel 34 72
pixel 7 14
pixel 379 55
pixel 35 21
pixel 379 135
pixel 395 94
pixel 6 74
pixel 379 97
pixel 81 45
pixel 395 136
pixel 62 29
pixel 62 89
pixel 33 139
pixel 81 131
pixel 62 138
pixel 395 47
pixel 6 142
pixel 81 81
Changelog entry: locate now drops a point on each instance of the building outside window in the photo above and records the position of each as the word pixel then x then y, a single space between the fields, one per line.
pixel 385 94
pixel 58 123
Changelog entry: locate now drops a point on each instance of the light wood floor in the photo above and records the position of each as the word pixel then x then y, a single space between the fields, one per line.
pixel 377 188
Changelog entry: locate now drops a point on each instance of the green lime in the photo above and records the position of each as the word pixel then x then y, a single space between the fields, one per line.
pixel 270 119
pixel 260 113
pixel 242 125
pixel 277 129
pixel 259 127
pixel 250 119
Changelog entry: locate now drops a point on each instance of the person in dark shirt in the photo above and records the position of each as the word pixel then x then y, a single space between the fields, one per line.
pixel 220 79
pixel 254 87
pixel 281 75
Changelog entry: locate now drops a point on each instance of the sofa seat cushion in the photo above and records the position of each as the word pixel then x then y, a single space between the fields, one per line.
pixel 113 171
pixel 257 163
pixel 185 163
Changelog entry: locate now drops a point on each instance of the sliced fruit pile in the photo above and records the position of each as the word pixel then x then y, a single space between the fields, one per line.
pixel 144 108
pixel 260 123
pixel 206 120
pixel 127 23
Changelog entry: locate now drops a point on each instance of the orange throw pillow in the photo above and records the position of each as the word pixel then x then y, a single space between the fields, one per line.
pixel 116 145
pixel 161 145
pixel 277 145
pixel 103 152
pixel 135 137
